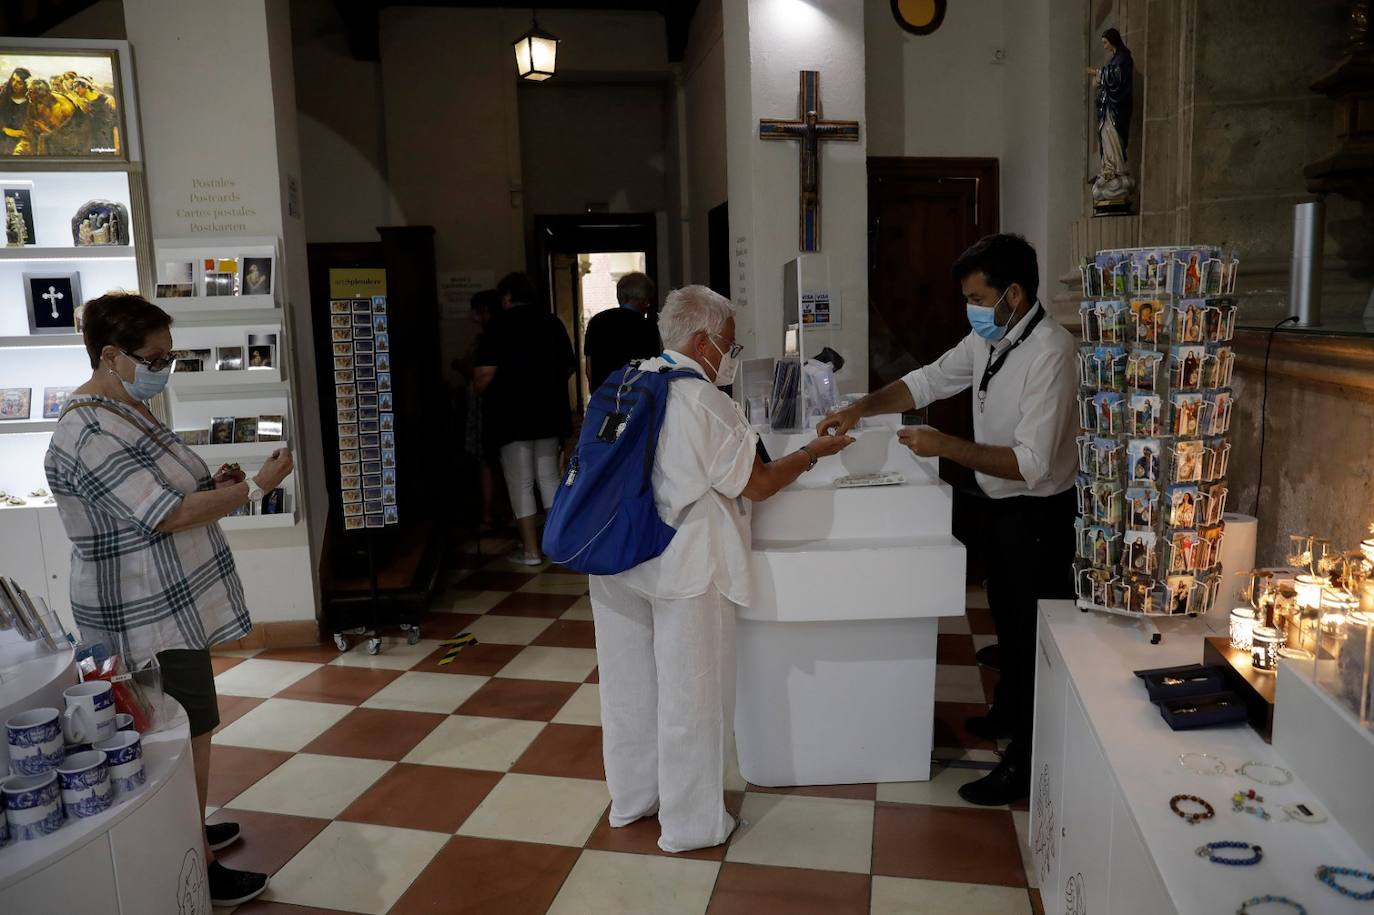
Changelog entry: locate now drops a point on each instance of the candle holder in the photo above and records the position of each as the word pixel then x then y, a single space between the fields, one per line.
pixel 1242 627
pixel 1346 664
pixel 1264 649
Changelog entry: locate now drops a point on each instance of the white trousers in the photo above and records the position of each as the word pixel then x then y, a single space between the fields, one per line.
pixel 667 672
pixel 527 464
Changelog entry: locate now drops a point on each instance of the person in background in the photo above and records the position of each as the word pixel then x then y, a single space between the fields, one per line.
pixel 665 629
pixel 477 436
pixel 522 369
pixel 619 335
pixel 1021 366
pixel 152 576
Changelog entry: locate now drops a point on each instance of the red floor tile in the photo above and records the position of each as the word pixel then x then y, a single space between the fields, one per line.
pixel 547 606
pixel 344 685
pixel 220 663
pixel 955 649
pixel 752 889
pixel 530 700
pixel 1037 904
pixel 310 654
pixel 488 877
pixel 980 621
pixel 260 907
pixel 371 733
pixel 269 839
pixel 564 750
pixel 851 792
pixel 441 625
pixel 232 708
pixel 568 634
pixel 946 843
pixel 949 726
pixel 233 770
pixel 435 798
pixel 488 580
pixel 594 676
pixel 641 836
pixel 479 660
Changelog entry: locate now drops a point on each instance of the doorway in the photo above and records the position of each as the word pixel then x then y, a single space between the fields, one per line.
pixel 924 213
pixel 580 258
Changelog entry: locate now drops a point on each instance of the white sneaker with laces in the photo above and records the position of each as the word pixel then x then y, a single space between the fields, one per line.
pixel 522 558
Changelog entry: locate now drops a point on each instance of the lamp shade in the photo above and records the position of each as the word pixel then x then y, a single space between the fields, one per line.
pixel 536 54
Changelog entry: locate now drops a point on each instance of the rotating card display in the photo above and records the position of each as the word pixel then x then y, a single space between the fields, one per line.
pixel 361 344
pixel 1155 407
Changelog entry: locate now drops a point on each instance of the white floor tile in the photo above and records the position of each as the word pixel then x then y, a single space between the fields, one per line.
pixel 282 724
pixel 816 832
pixel 565 665
pixel 309 785
pixel 262 679
pixel 900 896
pixel 958 683
pixel 942 790
pixel 395 655
pixel 537 808
pixel 237 652
pixel 557 583
pixel 583 708
pixel 355 867
pixel 463 742
pixel 603 881
pixel 508 630
pixel 953 625
pixel 416 691
pixel 582 610
pixel 471 601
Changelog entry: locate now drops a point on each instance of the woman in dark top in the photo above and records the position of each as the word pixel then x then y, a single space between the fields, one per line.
pixel 522 369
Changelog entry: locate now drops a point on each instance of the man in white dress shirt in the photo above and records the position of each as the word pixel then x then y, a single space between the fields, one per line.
pixel 665 629
pixel 1021 366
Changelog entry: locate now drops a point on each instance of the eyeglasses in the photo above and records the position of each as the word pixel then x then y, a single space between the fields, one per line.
pixel 154 365
pixel 735 348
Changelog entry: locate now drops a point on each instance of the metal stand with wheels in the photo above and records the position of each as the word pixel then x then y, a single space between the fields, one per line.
pixel 370 631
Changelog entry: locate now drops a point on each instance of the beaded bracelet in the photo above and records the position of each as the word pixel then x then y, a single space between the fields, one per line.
pixel 1328 874
pixel 1208 811
pixel 1239 805
pixel 1217 766
pixel 1209 851
pixel 1287 776
pixel 1276 900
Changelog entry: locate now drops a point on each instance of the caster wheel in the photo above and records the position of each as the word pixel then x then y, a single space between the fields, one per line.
pixel 412 635
pixel 374 646
pixel 340 643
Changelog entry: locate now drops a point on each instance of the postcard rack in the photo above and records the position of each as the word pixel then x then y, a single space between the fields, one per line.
pixel 1155 406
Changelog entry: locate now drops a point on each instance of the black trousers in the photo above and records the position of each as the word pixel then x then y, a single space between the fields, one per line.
pixel 1027 547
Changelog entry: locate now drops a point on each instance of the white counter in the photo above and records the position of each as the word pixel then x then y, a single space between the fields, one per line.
pixel 1106 764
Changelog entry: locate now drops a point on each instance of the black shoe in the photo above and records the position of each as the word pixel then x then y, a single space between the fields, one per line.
pixel 1007 783
pixel 993 726
pixel 990 656
pixel 221 835
pixel 231 887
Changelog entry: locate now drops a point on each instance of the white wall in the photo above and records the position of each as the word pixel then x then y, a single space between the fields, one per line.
pixel 703 98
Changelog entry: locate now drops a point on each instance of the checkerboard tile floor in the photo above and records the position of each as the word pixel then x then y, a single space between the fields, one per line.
pixel 392 784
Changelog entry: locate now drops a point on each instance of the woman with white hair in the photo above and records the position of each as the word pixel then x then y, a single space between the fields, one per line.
pixel 665 629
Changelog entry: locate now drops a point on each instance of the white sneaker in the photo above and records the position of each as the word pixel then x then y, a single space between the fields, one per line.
pixel 521 558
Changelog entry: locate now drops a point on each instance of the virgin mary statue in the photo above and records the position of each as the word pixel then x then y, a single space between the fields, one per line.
pixel 1113 186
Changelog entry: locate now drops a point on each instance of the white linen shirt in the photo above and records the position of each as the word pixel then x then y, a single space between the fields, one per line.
pixel 1031 404
pixel 704 459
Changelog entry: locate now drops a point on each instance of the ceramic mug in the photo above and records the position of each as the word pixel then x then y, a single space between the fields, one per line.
pixel 33 805
pixel 90 712
pixel 4 826
pixel 35 741
pixel 85 780
pixel 124 721
pixel 124 756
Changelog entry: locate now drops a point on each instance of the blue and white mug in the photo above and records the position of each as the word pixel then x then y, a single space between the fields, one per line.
pixel 35 741
pixel 33 805
pixel 124 721
pixel 85 782
pixel 90 712
pixel 4 826
pixel 124 756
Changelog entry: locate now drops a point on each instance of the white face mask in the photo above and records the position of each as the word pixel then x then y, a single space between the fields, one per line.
pixel 725 372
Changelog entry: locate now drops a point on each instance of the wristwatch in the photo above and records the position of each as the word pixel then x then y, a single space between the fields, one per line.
pixel 254 492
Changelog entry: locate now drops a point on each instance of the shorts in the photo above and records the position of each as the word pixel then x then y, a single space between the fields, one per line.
pixel 189 679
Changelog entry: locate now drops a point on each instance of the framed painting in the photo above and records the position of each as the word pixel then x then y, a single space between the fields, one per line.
pixel 61 103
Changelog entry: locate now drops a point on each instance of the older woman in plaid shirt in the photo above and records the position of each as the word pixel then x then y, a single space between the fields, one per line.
pixel 152 575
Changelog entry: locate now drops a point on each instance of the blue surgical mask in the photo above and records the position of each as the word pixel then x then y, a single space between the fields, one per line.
pixel 983 320
pixel 147 384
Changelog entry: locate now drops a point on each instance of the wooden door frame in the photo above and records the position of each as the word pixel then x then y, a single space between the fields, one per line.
pixel 959 168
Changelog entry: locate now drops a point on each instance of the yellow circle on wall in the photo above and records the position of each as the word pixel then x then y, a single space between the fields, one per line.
pixel 920 17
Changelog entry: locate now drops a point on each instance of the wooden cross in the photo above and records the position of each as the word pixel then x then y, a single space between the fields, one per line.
pixel 53 297
pixel 809 129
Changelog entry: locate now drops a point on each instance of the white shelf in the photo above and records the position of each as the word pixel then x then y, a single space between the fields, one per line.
pixel 239 383
pixel 257 522
pixel 21 426
pixel 33 340
pixel 72 253
pixel 200 305
pixel 213 453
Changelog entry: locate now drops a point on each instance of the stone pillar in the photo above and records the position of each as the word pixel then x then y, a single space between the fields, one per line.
pixel 218 104
pixel 767 43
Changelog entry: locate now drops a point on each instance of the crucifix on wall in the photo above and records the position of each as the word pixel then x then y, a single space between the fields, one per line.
pixel 809 129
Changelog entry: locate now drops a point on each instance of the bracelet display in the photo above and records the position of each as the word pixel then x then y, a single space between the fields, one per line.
pixel 1328 874
pixel 1208 811
pixel 1287 776
pixel 1215 765
pixel 1209 851
pixel 1271 899
pixel 1239 804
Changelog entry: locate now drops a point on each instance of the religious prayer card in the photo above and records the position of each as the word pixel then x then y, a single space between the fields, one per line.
pixel 359 330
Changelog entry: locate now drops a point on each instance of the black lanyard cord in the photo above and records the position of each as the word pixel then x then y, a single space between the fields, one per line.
pixel 995 365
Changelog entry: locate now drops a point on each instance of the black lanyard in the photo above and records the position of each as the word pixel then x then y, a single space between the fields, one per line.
pixel 995 365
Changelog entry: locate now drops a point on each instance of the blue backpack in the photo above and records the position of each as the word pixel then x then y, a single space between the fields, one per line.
pixel 603 520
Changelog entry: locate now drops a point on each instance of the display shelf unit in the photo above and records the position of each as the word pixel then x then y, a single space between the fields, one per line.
pixel 226 383
pixel 92 253
pixel 209 309
pixel 40 341
pixel 26 427
pixel 258 522
pixel 215 454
